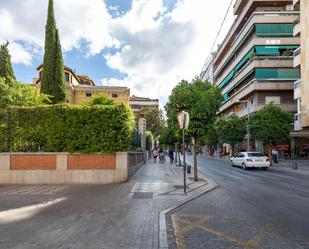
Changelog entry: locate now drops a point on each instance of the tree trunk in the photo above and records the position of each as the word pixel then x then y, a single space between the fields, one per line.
pixel 269 154
pixel 195 161
pixel 179 158
pixel 233 150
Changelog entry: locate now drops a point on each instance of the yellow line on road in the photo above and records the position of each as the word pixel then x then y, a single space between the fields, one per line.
pixel 181 231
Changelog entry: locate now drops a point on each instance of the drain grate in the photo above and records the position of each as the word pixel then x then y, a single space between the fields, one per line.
pixel 179 186
pixel 143 195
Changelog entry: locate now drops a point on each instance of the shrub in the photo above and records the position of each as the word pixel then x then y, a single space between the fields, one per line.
pixel 66 128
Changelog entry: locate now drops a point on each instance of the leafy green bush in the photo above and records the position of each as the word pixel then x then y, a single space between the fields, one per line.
pixel 102 99
pixel 66 128
pixel 14 93
pixel 149 139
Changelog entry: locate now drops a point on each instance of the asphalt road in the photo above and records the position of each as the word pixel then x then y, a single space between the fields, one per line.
pixel 249 209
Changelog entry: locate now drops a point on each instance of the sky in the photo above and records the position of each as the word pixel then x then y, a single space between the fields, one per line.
pixel 146 45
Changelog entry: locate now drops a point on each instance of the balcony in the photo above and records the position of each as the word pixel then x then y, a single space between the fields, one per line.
pixel 259 62
pixel 257 85
pixel 297 122
pixel 297 91
pixel 295 2
pixel 257 17
pixel 297 30
pixel 290 107
pixel 297 57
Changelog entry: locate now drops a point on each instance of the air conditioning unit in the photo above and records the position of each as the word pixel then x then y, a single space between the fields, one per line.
pixel 289 8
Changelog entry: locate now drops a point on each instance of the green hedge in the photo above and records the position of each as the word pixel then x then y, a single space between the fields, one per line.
pixel 66 128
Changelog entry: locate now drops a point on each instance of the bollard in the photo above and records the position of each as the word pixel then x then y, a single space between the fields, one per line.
pixel 188 169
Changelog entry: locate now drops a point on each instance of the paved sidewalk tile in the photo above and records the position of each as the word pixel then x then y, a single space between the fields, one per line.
pixel 110 216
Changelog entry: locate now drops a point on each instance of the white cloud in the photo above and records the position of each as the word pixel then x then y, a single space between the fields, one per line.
pixel 77 21
pixel 160 48
pixel 157 47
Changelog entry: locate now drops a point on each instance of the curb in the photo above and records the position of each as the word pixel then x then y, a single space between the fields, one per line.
pixel 163 241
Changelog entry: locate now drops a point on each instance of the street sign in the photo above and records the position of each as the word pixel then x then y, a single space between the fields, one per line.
pixel 183 120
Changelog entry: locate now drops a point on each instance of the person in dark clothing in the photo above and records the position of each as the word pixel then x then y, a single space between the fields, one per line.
pixel 171 154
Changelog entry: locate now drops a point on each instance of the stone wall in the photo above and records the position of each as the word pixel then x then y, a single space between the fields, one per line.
pixel 66 168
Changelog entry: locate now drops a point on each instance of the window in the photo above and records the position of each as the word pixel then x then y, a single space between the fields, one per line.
pixel 114 95
pixel 40 75
pixel 88 94
pixel 67 77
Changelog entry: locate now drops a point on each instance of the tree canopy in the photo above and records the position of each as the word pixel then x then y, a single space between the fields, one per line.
pixel 53 82
pixel 230 130
pixel 271 124
pixel 101 99
pixel 154 119
pixel 16 94
pixel 6 69
pixel 202 101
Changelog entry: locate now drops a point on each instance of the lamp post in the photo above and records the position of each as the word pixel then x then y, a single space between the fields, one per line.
pixel 248 121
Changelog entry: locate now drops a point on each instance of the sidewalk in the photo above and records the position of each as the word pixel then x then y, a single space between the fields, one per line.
pixel 130 215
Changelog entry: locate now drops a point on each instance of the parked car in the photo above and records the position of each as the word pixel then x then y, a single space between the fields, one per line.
pixel 250 159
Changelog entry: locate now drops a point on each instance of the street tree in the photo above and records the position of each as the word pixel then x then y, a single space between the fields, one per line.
pixel 154 119
pixel 270 125
pixel 17 94
pixel 231 130
pixel 6 69
pixel 101 99
pixel 210 137
pixel 202 101
pixel 53 82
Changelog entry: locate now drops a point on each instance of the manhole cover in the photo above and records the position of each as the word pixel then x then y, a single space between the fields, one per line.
pixel 179 186
pixel 143 195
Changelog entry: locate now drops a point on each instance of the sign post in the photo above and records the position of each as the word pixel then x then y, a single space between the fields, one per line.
pixel 183 121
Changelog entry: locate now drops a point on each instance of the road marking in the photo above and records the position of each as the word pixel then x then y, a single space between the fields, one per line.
pixel 199 223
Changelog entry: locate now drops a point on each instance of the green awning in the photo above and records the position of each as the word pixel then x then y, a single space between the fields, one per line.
pixel 267 50
pixel 274 29
pixel 277 73
pixel 272 50
pixel 244 60
pixel 227 79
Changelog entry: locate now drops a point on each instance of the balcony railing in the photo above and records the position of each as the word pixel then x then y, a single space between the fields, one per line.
pixel 297 51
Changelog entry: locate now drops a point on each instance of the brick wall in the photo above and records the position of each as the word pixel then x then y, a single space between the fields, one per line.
pixel 33 162
pixel 83 162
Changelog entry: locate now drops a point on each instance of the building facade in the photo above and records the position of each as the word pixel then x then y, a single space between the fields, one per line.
pixel 300 135
pixel 80 88
pixel 137 103
pixel 254 64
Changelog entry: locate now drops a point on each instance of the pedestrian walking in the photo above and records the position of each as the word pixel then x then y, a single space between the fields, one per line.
pixel 155 153
pixel 274 154
pixel 171 154
pixel 161 154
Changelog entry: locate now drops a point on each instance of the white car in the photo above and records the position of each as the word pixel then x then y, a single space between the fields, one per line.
pixel 250 159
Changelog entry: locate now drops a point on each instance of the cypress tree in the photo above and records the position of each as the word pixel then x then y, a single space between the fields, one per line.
pixel 59 72
pixel 52 82
pixel 6 69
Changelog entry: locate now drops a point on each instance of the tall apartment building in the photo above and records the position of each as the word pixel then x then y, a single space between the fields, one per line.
pixel 300 136
pixel 254 64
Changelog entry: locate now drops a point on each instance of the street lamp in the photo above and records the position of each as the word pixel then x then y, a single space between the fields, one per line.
pixel 248 120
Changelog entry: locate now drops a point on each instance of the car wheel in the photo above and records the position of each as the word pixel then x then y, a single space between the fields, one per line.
pixel 244 166
pixel 265 168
